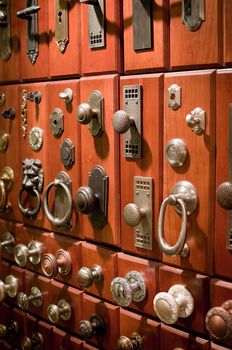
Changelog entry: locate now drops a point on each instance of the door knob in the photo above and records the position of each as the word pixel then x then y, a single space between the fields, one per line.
pixel 32 252
pixel 10 287
pixel 66 95
pixel 86 200
pixel 9 330
pixel 219 321
pixel 7 242
pixel 86 276
pixel 135 342
pixel 92 327
pixel 122 121
pixel 61 310
pixel 196 120
pixel 177 302
pixel 35 342
pixel 6 183
pixel 5 30
pixel 3 140
pixel 8 113
pixel 133 214
pixel 193 14
pixel 60 263
pixel 224 195
pixel 35 298
pixel 128 289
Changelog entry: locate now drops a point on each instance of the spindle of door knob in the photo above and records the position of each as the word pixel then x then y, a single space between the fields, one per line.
pixel 133 214
pixel 135 342
pixel 10 287
pixel 224 195
pixel 86 200
pixel 87 276
pixel 218 321
pixel 122 121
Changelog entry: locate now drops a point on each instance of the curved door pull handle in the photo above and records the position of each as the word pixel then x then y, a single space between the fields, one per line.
pixel 218 321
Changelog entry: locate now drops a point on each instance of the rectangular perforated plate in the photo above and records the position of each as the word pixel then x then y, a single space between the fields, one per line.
pixel 142 30
pixel 143 198
pixel 132 105
pixel 229 233
pixel 96 15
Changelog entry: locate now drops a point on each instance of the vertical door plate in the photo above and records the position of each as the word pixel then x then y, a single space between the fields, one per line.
pixel 229 229
pixel 61 24
pixel 61 200
pixel 5 40
pixel 142 24
pixel 96 14
pixel 143 198
pixel 132 105
pixel 193 13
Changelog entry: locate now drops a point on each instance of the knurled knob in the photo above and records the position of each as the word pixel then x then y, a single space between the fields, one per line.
pixel 87 276
pixel 85 200
pixel 219 321
pixel 122 121
pixel 61 310
pixel 92 327
pixel 61 263
pixel 84 113
pixel 135 342
pixel 10 287
pixel 133 214
pixel 224 195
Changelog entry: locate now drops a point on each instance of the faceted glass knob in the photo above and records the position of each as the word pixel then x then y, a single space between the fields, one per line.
pixel 122 121
pixel 10 287
pixel 61 310
pixel 224 195
pixel 87 277
pixel 92 327
pixel 219 321
pixel 60 263
pixel 133 214
pixel 133 343
pixel 85 200
pixel 32 252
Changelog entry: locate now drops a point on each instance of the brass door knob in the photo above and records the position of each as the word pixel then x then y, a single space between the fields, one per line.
pixel 133 214
pixel 9 330
pixel 35 298
pixel 85 200
pixel 92 327
pixel 178 302
pixel 7 242
pixel 6 183
pixel 35 342
pixel 32 252
pixel 122 121
pixel 128 289
pixel 61 310
pixel 60 263
pixel 135 342
pixel 219 321
pixel 3 140
pixel 10 287
pixel 86 276
pixel 224 195
pixel 66 95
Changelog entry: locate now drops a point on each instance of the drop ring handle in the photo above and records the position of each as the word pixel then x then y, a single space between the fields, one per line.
pixel 27 211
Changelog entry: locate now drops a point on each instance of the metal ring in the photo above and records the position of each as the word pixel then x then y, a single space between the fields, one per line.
pixel 3 194
pixel 56 221
pixel 177 248
pixel 27 211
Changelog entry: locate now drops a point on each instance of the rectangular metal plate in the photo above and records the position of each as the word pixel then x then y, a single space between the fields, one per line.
pixel 229 233
pixel 61 21
pixel 5 45
pixel 143 198
pixel 142 24
pixel 96 14
pixel 132 105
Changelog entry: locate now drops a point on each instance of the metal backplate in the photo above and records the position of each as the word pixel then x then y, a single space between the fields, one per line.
pixel 132 105
pixel 174 96
pixel 96 14
pixel 5 40
pixel 193 13
pixel 67 154
pixel 142 24
pixel 143 198
pixel 229 212
pixel 36 138
pixel 61 201
pixel 61 21
pixel 96 125
pixel 57 122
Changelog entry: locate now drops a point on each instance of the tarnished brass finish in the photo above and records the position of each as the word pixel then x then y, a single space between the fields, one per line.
pixel 61 310
pixel 61 24
pixel 92 327
pixel 5 29
pixel 135 342
pixel 3 141
pixel 6 183
pixel 7 242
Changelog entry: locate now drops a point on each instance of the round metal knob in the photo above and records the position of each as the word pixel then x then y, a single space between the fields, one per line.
pixel 92 327
pixel 66 95
pixel 135 342
pixel 122 121
pixel 224 195
pixel 85 200
pixel 62 310
pixel 35 342
pixel 8 242
pixel 3 140
pixel 133 214
pixel 35 297
pixel 87 277
pixel 128 289
pixel 61 263
pixel 3 16
pixel 9 330
pixel 219 321
pixel 176 152
pixel 85 113
pixel 32 252
pixel 10 287
pixel 178 302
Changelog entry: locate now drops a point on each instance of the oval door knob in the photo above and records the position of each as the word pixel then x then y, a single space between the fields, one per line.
pixel 35 298
pixel 87 277
pixel 135 342
pixel 10 287
pixel 66 95
pixel 128 289
pixel 224 195
pixel 9 330
pixel 8 242
pixel 133 214
pixel 122 121
pixel 60 263
pixel 85 200
pixel 32 252
pixel 219 321
pixel 92 327
pixel 61 310
pixel 35 342
pixel 178 302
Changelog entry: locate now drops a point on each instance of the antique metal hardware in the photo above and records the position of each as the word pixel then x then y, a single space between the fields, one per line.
pixel 174 97
pixel 135 342
pixel 32 183
pixel 28 96
pixel 2 98
pixel 5 29
pixel 10 287
pixel 66 95
pixel 9 330
pixel 33 96
pixel 67 154
pixel 57 122
pixel 128 289
pixel 35 298
pixel 30 13
pixel 93 199
pixel 93 327
pixel 36 138
pixel 8 113
pixel 61 24
pixel 6 184
pixel 178 302
pixel 7 242
pixel 218 321
pixel 193 13
pixel 32 252
pixel 35 342
pixel 61 310
pixel 196 120
pixel 3 141
pixel 176 152
pixel 128 121
pixel 63 204
pixel 60 263
pixel 142 24
pixel 96 22
pixel 92 113
pixel 140 213
pixel 86 276
pixel 184 199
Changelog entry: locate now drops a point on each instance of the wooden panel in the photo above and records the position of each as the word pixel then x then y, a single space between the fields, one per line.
pixel 157 57
pixel 227 32
pixel 150 164
pixel 62 340
pixel 103 151
pixel 47 331
pixel 7 226
pixel 14 314
pixel 197 285
pixel 197 90
pixel 217 347
pixel 107 59
pixel 196 48
pixel 19 274
pixel 89 346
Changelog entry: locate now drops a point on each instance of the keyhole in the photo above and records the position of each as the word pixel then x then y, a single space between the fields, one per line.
pixel 60 16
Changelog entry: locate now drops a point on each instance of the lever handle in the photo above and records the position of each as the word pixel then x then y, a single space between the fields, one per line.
pixel 27 12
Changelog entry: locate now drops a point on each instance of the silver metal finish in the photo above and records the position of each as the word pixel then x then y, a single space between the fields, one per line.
pixel 176 152
pixel 196 120
pixel 61 310
pixel 174 97
pixel 193 13
pixel 61 24
pixel 61 263
pixel 8 242
pixel 86 276
pixel 35 298
pixel 5 29
pixel 57 122
pixel 66 95
pixel 32 252
pixel 142 24
pixel 10 287
pixel 67 153
pixel 36 138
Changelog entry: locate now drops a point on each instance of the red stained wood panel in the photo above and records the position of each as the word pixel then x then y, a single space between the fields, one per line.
pixel 217 347
pixel 63 340
pixel 227 32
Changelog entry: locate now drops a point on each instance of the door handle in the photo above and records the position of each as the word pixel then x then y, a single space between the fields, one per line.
pixel 58 263
pixel 5 29
pixel 32 252
pixel 8 287
pixel 93 327
pixel 61 310
pixel 35 342
pixel 6 183
pixel 35 298
pixel 86 276
pixel 218 321
pixel 193 13
pixel 135 342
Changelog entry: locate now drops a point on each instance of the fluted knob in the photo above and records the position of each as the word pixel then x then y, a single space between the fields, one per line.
pixel 35 342
pixel 224 195
pixel 219 321
pixel 35 298
pixel 84 113
pixel 10 287
pixel 122 121
pixel 32 252
pixel 85 200
pixel 61 310
pixel 60 263
pixel 9 330
pixel 178 302
pixel 87 277
pixel 92 327
pixel 135 342
pixel 133 214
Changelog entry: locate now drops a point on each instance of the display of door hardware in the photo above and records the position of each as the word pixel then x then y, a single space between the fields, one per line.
pixel 142 24
pixel 7 242
pixel 35 298
pixel 140 213
pixel 86 276
pixel 5 29
pixel 92 113
pixel 28 96
pixel 61 310
pixel 176 152
pixel 36 138
pixel 66 95
pixel 135 342
pixel 2 98
pixel 6 184
pixel 184 199
pixel 61 24
pixel 59 263
pixel 9 287
pixel 32 253
pixel 93 327
pixel 9 330
pixel 3 141
pixel 8 113
pixel 32 183
pixel 174 97
pixel 35 342
pixel 67 153
pixel 93 199
pixel 128 121
pixel 30 13
pixel 196 120
pixel 193 13
pixel 96 22
pixel 63 201
pixel 177 302
pixel 130 289
pixel 57 122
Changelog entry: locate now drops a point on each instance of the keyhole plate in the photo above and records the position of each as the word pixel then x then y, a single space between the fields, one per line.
pixel 61 24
